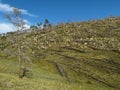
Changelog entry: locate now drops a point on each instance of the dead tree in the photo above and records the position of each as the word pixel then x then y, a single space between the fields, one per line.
pixel 16 19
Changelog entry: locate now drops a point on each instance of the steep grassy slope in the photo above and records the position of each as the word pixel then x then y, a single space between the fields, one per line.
pixel 75 56
pixel 41 80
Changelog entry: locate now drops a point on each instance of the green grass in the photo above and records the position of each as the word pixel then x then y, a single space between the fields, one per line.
pixel 46 77
pixel 12 82
pixel 88 53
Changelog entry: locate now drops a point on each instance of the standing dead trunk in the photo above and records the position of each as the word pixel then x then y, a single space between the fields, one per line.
pixel 16 19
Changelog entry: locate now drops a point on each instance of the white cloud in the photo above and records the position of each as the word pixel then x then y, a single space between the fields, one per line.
pixel 26 21
pixel 8 8
pixel 26 13
pixel 27 26
pixel 6 27
pixel 5 8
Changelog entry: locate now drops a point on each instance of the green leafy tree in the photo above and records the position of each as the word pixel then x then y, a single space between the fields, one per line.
pixel 33 27
pixel 47 24
pixel 39 25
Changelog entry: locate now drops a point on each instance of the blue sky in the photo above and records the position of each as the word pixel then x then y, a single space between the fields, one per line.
pixel 59 10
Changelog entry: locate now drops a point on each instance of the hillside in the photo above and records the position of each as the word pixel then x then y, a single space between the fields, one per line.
pixel 71 56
